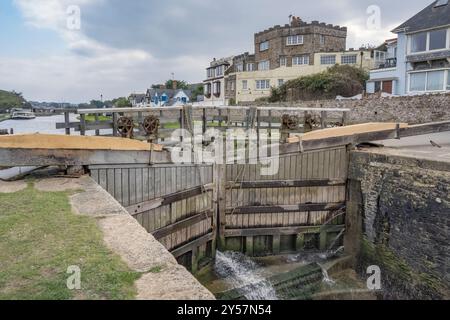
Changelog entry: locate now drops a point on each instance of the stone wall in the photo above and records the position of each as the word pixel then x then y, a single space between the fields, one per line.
pixel 334 40
pixel 398 217
pixel 408 109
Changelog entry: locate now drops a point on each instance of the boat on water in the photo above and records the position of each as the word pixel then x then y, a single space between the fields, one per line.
pixel 23 115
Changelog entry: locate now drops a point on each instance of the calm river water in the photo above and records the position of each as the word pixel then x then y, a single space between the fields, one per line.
pixel 38 125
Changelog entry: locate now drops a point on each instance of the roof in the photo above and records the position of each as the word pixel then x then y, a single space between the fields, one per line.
pixel 435 15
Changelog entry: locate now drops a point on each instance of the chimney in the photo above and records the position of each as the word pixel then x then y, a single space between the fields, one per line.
pixel 174 84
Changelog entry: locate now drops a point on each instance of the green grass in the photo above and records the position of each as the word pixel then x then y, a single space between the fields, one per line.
pixel 40 238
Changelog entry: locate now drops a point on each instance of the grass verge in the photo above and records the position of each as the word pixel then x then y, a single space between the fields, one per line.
pixel 40 238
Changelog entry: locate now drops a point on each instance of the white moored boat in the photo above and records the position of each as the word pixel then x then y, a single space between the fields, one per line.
pixel 23 115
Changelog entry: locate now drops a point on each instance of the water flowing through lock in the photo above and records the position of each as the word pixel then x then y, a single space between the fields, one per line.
pixel 241 272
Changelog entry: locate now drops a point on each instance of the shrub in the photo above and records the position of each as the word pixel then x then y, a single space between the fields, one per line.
pixel 340 80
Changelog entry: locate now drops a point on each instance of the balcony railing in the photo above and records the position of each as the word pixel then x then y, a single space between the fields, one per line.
pixel 388 63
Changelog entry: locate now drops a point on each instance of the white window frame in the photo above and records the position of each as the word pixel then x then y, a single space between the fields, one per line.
pixel 321 39
pixel 262 84
pixel 283 61
pixel 219 71
pixel 445 82
pixel 295 40
pixel 353 56
pixel 428 41
pixel 244 84
pixel 240 67
pixel 280 82
pixel 300 60
pixel 324 62
pixel 250 67
pixel 265 63
pixel 264 46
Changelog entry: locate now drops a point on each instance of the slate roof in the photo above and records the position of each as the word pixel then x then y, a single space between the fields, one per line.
pixel 429 18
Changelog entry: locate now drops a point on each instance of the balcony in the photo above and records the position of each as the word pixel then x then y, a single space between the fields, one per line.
pixel 388 63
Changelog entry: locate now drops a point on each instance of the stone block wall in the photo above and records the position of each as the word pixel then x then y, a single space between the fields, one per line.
pixel 407 109
pixel 398 218
pixel 334 40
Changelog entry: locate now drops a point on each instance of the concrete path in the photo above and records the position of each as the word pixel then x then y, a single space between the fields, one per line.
pixel 162 277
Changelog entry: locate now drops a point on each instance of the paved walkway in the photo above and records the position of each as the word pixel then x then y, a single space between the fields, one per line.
pixel 162 277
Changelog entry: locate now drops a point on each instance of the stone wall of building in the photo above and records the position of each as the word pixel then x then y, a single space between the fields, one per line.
pixel 407 109
pixel 398 217
pixel 334 40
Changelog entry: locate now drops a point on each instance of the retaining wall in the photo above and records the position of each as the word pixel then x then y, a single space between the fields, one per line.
pixel 397 218
pixel 408 109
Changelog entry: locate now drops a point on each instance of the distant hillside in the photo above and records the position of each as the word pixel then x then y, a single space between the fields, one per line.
pixel 10 100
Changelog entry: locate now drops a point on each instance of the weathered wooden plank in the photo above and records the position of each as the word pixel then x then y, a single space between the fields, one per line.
pixel 189 247
pixel 287 208
pixel 286 231
pixel 167 200
pixel 286 183
pixel 188 222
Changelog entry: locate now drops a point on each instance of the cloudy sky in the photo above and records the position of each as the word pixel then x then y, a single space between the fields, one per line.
pixel 125 46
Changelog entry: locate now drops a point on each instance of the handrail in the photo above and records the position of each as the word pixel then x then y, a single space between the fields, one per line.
pixel 148 109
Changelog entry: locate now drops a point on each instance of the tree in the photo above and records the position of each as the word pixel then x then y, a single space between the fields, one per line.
pixel 180 84
pixel 122 103
pixel 198 91
pixel 97 104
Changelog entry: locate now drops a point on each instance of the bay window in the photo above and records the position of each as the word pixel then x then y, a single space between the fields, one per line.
pixel 435 80
pixel 418 81
pixel 419 42
pixel 429 41
pixel 438 39
pixel 429 81
pixel 448 80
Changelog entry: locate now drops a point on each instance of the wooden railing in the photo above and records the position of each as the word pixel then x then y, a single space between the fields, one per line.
pixel 220 118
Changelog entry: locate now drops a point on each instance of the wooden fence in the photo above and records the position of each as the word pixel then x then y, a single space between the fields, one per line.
pixel 187 117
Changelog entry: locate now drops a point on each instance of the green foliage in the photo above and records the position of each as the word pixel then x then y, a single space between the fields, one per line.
pixel 343 80
pixel 40 238
pixel 9 100
pixel 97 104
pixel 121 103
pixel 198 91
pixel 180 84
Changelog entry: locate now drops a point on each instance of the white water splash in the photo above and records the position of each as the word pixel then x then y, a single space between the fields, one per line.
pixel 241 272
pixel 326 278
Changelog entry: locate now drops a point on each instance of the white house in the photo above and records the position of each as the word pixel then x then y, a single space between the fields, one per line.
pixel 419 60
pixel 167 97
pixel 214 85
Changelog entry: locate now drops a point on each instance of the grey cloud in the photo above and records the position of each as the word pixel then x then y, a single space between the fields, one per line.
pixel 170 28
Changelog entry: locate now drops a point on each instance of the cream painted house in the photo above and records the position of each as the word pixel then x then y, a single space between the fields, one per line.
pixel 253 85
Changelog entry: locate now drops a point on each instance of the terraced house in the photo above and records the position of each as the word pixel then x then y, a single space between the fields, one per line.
pixel 284 53
pixel 419 60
